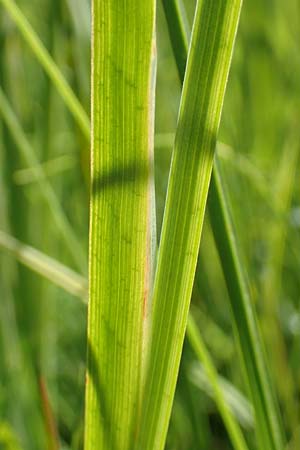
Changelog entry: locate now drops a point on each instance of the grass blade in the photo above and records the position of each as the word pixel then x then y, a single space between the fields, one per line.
pixel 267 418
pixel 49 66
pixel 201 104
pixel 45 266
pixel 268 423
pixel 123 79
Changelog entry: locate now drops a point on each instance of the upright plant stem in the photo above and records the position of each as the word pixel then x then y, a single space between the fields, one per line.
pixel 210 53
pixel 123 76
pixel 267 418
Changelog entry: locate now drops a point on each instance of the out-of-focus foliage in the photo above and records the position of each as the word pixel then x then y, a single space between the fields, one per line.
pixel 42 328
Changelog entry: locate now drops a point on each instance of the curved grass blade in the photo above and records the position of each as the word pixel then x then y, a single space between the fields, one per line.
pixel 268 422
pixel 123 79
pixel 46 189
pixel 45 266
pixel 200 110
pixel 50 168
pixel 49 66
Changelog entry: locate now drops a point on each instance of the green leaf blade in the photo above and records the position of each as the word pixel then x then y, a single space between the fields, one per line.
pixel 120 232
pixel 268 421
pixel 204 87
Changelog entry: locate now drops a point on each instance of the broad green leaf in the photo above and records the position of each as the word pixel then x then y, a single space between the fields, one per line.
pixel 123 79
pixel 45 187
pixel 199 116
pixel 268 421
pixel 49 65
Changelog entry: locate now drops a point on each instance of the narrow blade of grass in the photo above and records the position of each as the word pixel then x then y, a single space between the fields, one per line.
pixel 268 422
pixel 201 104
pixel 49 65
pixel 45 266
pixel 123 76
pixel 52 167
pixel 267 417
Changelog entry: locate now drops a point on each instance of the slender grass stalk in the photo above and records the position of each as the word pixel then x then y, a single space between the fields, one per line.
pixel 200 110
pixel 268 422
pixel 46 189
pixel 45 266
pixel 52 167
pixel 232 426
pixel 49 66
pixel 121 228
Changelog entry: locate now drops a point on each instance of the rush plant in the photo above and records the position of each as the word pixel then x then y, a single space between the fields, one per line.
pixel 141 279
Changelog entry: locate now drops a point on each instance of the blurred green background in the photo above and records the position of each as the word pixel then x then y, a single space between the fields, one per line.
pixel 42 339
